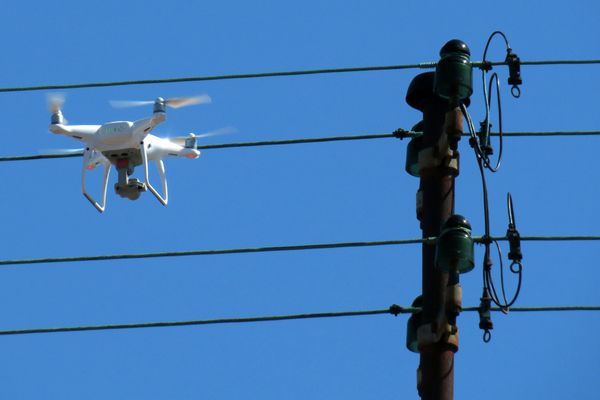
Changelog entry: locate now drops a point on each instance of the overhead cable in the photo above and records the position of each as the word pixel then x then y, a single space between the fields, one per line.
pixel 424 65
pixel 403 134
pixel 393 309
pixel 317 246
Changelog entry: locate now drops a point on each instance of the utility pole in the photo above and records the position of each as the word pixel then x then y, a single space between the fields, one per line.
pixel 438 96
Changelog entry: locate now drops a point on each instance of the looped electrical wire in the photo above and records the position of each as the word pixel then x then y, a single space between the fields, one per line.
pixel 512 234
pixel 489 281
pixel 514 66
pixel 485 148
pixel 513 61
pixel 516 267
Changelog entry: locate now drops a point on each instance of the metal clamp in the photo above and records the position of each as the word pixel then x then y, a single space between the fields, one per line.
pixel 514 71
pixel 512 234
pixel 485 316
pixel 446 333
pixel 431 157
pixel 454 299
pixel 453 126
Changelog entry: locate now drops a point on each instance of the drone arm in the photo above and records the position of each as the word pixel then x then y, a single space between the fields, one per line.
pixel 80 132
pixel 87 155
pixel 161 171
pixel 144 126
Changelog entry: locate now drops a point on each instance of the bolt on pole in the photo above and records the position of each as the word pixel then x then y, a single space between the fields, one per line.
pixel 438 96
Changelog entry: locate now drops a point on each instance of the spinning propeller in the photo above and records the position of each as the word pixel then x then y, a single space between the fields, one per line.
pixel 55 102
pixel 174 102
pixel 190 140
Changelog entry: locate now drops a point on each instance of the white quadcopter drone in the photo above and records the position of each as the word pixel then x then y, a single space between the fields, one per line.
pixel 126 145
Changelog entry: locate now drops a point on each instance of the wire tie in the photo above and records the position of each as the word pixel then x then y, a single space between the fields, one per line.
pixel 485 66
pixel 486 240
pixel 430 64
pixel 473 142
pixel 400 133
pixel 395 309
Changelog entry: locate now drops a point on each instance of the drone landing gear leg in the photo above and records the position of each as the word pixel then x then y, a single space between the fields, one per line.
pixel 161 171
pixel 100 207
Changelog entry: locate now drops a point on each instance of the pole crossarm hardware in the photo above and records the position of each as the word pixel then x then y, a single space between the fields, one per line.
pixel 403 134
pixel 423 65
pixel 393 309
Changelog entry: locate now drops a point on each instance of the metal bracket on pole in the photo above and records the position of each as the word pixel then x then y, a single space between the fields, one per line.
pixel 432 157
pixel 454 299
pixel 428 335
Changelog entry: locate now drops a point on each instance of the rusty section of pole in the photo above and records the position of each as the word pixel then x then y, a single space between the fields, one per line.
pixel 438 167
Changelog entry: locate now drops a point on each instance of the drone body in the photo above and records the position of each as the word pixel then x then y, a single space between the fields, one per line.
pixel 126 145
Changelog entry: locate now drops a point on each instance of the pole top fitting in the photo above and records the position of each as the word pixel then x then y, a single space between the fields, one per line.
pixel 455 46
pixel 457 221
pixel 454 72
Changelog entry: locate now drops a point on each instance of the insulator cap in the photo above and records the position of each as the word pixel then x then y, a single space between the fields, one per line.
pixel 417 302
pixel 454 72
pixel 418 127
pixel 420 92
pixel 457 221
pixel 455 46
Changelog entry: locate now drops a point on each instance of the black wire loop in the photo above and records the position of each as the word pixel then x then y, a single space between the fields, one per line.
pixel 514 65
pixel 515 91
pixel 516 267
pixel 487 336
pixel 487 162
pixel 488 282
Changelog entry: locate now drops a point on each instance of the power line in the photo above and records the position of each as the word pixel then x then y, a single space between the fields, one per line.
pixel 393 309
pixel 402 134
pixel 551 62
pixel 546 238
pixel 39 156
pixel 202 322
pixel 545 133
pixel 318 246
pixel 213 252
pixel 217 77
pixel 541 309
pixel 424 65
pixel 232 145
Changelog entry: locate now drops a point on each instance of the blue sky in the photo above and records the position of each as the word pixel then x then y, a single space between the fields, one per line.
pixel 346 191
